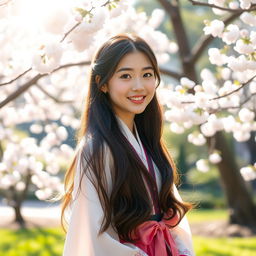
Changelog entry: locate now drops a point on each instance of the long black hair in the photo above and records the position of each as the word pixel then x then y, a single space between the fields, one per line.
pixel 128 203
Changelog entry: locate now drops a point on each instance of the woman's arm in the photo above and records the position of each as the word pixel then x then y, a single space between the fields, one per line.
pixel 85 220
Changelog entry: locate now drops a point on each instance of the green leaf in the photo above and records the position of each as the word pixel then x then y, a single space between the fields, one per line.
pixel 82 11
pixel 246 40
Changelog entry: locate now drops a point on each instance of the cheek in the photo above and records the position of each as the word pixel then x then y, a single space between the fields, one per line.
pixel 118 88
pixel 151 87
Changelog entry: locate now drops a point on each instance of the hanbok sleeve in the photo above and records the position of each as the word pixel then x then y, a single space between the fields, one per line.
pixel 182 233
pixel 82 237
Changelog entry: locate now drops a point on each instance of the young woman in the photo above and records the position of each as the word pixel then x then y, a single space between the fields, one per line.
pixel 120 186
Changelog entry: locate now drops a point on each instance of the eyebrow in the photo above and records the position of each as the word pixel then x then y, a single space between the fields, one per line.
pixel 131 69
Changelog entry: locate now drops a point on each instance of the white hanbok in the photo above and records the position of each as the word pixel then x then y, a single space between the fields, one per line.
pixel 86 215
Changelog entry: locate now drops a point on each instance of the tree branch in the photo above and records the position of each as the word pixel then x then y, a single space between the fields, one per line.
pixel 233 107
pixel 236 90
pixel 16 78
pixel 227 94
pixel 21 90
pixel 5 3
pixel 171 73
pixel 34 80
pixel 53 97
pixel 69 31
pixel 252 8
pixel 204 41
pixel 78 23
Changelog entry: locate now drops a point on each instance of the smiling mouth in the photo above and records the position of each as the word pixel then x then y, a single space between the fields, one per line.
pixel 137 100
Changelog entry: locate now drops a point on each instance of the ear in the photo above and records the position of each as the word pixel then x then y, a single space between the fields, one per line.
pixel 97 79
pixel 104 88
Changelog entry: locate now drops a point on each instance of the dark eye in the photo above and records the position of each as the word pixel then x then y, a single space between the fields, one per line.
pixel 125 76
pixel 147 75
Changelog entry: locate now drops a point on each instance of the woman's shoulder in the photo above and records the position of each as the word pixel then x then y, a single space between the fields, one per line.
pixel 88 158
pixel 87 148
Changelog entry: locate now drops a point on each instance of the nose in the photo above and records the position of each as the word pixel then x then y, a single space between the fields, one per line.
pixel 138 84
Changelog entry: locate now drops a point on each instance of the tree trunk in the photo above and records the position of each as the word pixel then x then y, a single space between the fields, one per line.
pixel 173 9
pixel 16 198
pixel 241 206
pixel 18 216
pixel 251 145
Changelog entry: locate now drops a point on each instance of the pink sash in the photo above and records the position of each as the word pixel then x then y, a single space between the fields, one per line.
pixel 155 239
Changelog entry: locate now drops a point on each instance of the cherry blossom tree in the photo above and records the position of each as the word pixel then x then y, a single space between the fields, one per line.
pixel 46 48
pixel 219 101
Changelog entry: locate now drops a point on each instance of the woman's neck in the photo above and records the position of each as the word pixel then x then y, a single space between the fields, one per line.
pixel 129 122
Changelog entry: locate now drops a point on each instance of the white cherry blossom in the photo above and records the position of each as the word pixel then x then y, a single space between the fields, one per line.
pixel 184 81
pixel 244 46
pixel 253 87
pixel 215 158
pixel 233 5
pixel 173 47
pixel 36 128
pixel 237 64
pixel 207 129
pixel 214 28
pixel 225 73
pixel 156 18
pixel 202 100
pixel 248 18
pixel 248 173
pixel 177 128
pixel 202 165
pixel 197 139
pixel 245 4
pixel 20 186
pixel 230 34
pixel 48 58
pixel 241 136
pixel 216 57
pixel 246 115
pixel 219 3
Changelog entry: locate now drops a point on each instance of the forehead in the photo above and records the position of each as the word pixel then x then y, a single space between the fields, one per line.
pixel 134 60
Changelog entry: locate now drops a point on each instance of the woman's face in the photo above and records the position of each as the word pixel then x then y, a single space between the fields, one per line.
pixel 132 86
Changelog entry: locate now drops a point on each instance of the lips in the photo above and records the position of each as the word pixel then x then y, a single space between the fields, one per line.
pixel 138 99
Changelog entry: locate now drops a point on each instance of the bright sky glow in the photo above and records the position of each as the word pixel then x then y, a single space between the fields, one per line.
pixel 33 13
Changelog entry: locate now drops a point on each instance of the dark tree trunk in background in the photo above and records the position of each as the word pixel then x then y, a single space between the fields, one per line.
pixel 182 166
pixel 241 208
pixel 18 216
pixel 16 198
pixel 251 145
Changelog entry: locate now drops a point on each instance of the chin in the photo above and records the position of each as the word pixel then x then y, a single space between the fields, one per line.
pixel 139 111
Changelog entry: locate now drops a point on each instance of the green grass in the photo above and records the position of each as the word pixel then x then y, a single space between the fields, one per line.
pixel 49 242
pixel 196 215
pixel 31 242
pixel 225 246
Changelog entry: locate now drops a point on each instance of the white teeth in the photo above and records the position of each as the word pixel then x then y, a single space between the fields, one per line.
pixel 136 98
